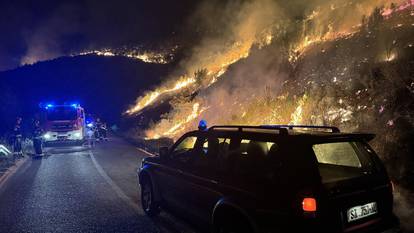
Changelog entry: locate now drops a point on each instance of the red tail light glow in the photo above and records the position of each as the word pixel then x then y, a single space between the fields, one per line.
pixel 309 204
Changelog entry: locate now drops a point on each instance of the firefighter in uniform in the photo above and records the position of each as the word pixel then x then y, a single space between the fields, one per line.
pixel 37 138
pixel 17 137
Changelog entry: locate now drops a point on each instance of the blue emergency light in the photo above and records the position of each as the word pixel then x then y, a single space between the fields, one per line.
pixel 75 105
pixel 202 125
pixel 52 105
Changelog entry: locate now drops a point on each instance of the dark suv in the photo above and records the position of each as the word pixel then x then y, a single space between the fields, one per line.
pixel 275 178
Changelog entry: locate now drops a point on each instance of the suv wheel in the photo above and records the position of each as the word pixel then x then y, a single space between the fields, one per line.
pixel 150 207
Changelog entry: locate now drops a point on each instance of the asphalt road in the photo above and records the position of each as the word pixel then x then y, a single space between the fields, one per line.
pixel 80 190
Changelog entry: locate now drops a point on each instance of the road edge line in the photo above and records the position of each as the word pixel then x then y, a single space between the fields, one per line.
pixel 11 171
pixel 114 186
pixel 145 152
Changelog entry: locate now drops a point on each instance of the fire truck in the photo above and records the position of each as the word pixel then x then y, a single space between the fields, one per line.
pixel 63 123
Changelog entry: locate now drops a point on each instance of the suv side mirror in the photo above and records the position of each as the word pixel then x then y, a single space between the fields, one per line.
pixel 164 152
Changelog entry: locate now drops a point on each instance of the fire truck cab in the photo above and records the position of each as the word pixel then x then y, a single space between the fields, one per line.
pixel 63 123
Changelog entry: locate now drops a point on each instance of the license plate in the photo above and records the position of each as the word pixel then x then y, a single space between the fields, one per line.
pixel 362 211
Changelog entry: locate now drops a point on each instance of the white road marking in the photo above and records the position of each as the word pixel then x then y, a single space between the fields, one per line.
pixel 178 223
pixel 12 170
pixel 145 152
pixel 115 187
pixel 4 150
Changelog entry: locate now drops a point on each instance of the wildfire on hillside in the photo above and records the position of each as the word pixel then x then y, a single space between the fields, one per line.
pixel 148 99
pixel 215 66
pixel 319 26
pixel 164 56
pixel 192 112
pixel 144 56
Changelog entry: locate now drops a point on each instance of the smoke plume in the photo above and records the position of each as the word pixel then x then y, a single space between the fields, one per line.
pixel 285 31
pixel 343 63
pixel 46 40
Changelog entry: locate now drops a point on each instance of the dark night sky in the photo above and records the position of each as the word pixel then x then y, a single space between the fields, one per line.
pixel 53 28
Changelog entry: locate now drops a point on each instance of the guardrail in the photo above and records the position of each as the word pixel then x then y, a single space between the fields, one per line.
pixel 4 151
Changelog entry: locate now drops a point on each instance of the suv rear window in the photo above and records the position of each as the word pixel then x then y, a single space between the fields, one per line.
pixel 337 153
pixel 340 160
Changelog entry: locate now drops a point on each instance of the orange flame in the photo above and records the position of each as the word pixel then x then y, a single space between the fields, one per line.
pixel 215 66
pixel 179 124
pixel 147 56
pixel 149 98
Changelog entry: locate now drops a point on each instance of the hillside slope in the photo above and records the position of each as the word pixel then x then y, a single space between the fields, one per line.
pixel 104 85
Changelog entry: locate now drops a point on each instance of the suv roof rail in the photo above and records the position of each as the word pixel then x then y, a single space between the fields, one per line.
pixel 332 128
pixel 282 130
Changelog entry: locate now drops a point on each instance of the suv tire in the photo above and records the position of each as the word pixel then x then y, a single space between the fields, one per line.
pixel 148 203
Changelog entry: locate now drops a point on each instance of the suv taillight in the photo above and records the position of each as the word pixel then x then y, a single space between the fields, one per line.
pixel 309 205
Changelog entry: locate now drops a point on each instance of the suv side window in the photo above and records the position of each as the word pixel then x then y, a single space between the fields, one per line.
pixel 223 154
pixel 216 145
pixel 209 156
pixel 183 150
pixel 256 159
pixel 214 149
pixel 185 145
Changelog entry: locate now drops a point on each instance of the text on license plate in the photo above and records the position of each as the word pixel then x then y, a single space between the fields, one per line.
pixel 362 211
